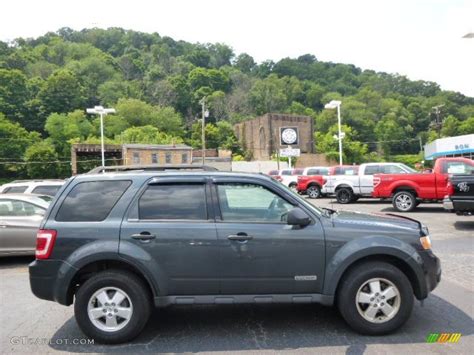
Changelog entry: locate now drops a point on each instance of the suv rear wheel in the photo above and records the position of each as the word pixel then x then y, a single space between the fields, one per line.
pixel 112 306
pixel 375 298
pixel 313 191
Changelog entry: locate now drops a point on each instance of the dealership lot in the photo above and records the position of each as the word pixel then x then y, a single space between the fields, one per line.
pixel 32 325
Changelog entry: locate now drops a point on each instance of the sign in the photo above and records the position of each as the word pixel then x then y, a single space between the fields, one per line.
pixel 288 135
pixel 290 152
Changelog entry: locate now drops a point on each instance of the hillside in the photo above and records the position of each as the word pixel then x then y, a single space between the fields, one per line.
pixel 156 83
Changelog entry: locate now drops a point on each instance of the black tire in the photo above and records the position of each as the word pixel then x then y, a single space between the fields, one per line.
pixel 344 195
pixel 314 191
pixel 404 201
pixel 355 198
pixel 292 186
pixel 132 286
pixel 355 279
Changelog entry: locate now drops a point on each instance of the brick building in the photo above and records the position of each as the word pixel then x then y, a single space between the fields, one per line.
pixel 133 154
pixel 261 136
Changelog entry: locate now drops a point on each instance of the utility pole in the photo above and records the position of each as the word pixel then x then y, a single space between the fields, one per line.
pixel 205 113
pixel 437 122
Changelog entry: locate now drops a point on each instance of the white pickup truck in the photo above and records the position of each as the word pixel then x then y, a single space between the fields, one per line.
pixel 348 188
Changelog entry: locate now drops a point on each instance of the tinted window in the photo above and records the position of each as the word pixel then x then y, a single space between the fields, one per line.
pixel 15 189
pixel 251 203
pixel 173 202
pixel 286 172
pixel 297 172
pixel 49 190
pixel 372 169
pixel 91 201
pixel 16 208
pixel 273 172
pixel 318 171
pixel 345 171
pixel 392 169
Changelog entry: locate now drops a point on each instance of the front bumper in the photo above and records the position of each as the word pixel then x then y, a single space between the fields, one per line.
pixel 431 269
pixel 448 204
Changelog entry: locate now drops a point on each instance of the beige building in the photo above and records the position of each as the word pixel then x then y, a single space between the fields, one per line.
pixel 133 154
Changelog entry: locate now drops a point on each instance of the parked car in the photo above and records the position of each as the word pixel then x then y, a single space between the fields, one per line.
pixel 118 244
pixel 349 188
pixel 287 177
pixel 20 217
pixel 39 187
pixel 311 181
pixel 408 190
pixel 460 194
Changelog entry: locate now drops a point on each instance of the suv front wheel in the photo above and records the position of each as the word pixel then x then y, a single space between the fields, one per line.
pixel 375 298
pixel 112 306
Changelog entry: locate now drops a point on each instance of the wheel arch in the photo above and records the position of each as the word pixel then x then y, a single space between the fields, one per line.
pixel 405 186
pixel 385 249
pixel 343 185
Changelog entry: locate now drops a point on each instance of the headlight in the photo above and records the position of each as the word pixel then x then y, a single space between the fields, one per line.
pixel 425 242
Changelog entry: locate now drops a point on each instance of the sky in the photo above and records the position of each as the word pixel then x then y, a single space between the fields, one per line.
pixel 421 39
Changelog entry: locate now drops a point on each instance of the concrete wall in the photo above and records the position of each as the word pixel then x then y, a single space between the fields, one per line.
pixel 258 166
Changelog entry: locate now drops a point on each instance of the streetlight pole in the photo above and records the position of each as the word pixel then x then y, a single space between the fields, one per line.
pixel 335 104
pixel 99 110
pixel 205 114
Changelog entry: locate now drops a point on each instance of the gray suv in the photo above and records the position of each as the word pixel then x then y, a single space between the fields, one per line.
pixel 117 244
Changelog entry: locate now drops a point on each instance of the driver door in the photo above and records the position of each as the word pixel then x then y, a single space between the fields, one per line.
pixel 258 252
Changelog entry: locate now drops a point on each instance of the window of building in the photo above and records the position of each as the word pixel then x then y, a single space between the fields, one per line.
pixel 168 158
pixel 184 158
pixel 136 158
pixel 166 202
pixel 154 158
pixel 91 201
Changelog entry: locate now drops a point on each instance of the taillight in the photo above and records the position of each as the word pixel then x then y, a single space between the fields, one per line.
pixel 45 239
pixel 377 181
pixel 450 189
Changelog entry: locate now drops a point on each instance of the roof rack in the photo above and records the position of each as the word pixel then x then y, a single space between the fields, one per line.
pixel 35 180
pixel 152 167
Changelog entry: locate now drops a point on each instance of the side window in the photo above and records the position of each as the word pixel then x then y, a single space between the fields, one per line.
pixel 372 169
pixel 15 190
pixel 91 201
pixel 15 208
pixel 251 203
pixel 176 201
pixel 392 169
pixel 313 172
pixel 49 190
pixel 457 167
pixel 286 172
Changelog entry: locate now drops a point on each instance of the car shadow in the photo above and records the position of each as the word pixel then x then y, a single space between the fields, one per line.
pixel 179 329
pixel 464 225
pixel 420 209
pixel 11 262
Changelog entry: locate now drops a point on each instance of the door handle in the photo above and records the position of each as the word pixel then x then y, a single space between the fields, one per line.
pixel 239 237
pixel 144 236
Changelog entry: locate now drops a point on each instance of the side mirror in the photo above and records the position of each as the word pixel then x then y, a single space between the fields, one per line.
pixel 297 217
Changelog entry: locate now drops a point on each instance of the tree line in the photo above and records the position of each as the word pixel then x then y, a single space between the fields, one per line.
pixel 156 84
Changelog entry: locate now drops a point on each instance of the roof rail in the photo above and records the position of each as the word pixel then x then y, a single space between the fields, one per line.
pixel 35 180
pixel 152 167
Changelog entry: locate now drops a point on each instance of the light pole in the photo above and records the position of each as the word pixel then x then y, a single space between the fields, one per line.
pixel 99 110
pixel 335 104
pixel 205 113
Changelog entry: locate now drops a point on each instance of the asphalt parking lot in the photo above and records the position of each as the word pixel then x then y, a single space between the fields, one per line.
pixel 30 325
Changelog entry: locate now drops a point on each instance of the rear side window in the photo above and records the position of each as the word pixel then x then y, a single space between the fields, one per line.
pixel 91 201
pixel 49 190
pixel 286 172
pixel 319 171
pixel 372 169
pixel 173 201
pixel 15 190
pixel 392 169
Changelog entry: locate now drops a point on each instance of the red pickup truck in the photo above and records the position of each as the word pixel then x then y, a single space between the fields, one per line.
pixel 409 190
pixel 312 179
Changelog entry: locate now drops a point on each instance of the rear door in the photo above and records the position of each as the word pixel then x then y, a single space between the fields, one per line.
pixel 259 252
pixel 366 180
pixel 172 220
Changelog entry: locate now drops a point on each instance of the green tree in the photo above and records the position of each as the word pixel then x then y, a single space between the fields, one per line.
pixel 268 95
pixel 13 94
pixel 147 134
pixel 41 161
pixel 62 93
pixel 450 127
pixel 467 126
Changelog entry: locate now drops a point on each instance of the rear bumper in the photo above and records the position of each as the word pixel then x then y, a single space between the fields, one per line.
pixel 448 204
pixel 47 280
